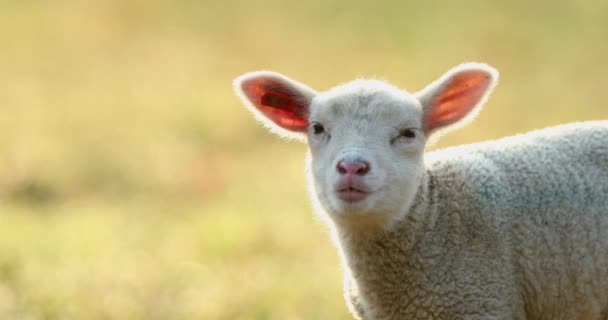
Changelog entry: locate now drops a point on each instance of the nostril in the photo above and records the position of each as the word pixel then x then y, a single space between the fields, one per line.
pixel 363 169
pixel 341 167
pixel 353 167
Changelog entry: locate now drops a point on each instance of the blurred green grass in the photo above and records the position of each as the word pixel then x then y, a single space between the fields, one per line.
pixel 133 185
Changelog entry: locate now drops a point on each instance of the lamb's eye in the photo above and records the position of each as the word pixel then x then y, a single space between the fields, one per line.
pixel 317 128
pixel 408 133
pixel 404 135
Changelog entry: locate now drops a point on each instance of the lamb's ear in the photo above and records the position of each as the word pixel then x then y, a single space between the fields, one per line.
pixel 456 97
pixel 280 103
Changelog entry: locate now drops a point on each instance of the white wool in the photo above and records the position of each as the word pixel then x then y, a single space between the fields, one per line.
pixel 515 228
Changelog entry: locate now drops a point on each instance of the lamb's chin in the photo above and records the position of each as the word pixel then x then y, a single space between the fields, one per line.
pixel 350 203
pixel 359 214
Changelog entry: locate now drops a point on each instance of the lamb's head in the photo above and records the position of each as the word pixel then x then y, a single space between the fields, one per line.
pixel 366 137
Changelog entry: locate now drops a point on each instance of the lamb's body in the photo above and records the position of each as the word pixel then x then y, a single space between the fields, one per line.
pixel 509 229
pixel 515 228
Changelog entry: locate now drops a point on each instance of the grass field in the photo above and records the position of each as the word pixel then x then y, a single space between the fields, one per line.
pixel 133 185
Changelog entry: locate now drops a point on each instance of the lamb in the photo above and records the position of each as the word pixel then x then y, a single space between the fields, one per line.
pixel 510 229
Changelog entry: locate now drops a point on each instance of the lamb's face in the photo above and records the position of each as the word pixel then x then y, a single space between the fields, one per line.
pixel 366 138
pixel 366 142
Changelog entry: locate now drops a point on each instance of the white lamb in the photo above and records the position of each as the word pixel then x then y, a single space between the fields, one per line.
pixel 509 229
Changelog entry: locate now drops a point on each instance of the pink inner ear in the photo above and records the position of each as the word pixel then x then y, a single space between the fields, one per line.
pixel 281 104
pixel 458 98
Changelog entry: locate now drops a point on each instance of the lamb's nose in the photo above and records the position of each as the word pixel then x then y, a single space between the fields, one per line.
pixel 352 167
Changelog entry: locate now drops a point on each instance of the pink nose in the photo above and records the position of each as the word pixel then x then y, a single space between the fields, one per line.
pixel 358 167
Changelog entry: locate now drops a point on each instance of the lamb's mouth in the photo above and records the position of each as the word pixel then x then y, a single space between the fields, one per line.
pixel 351 194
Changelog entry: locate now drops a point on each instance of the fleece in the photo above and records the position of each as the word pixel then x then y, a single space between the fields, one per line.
pixel 515 228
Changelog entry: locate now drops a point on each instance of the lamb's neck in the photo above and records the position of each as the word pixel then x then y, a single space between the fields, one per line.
pixel 383 267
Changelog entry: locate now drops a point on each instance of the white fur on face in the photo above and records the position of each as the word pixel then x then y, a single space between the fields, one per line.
pixel 368 125
pixel 365 120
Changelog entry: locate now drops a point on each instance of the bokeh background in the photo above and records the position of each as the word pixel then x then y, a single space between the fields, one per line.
pixel 133 184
